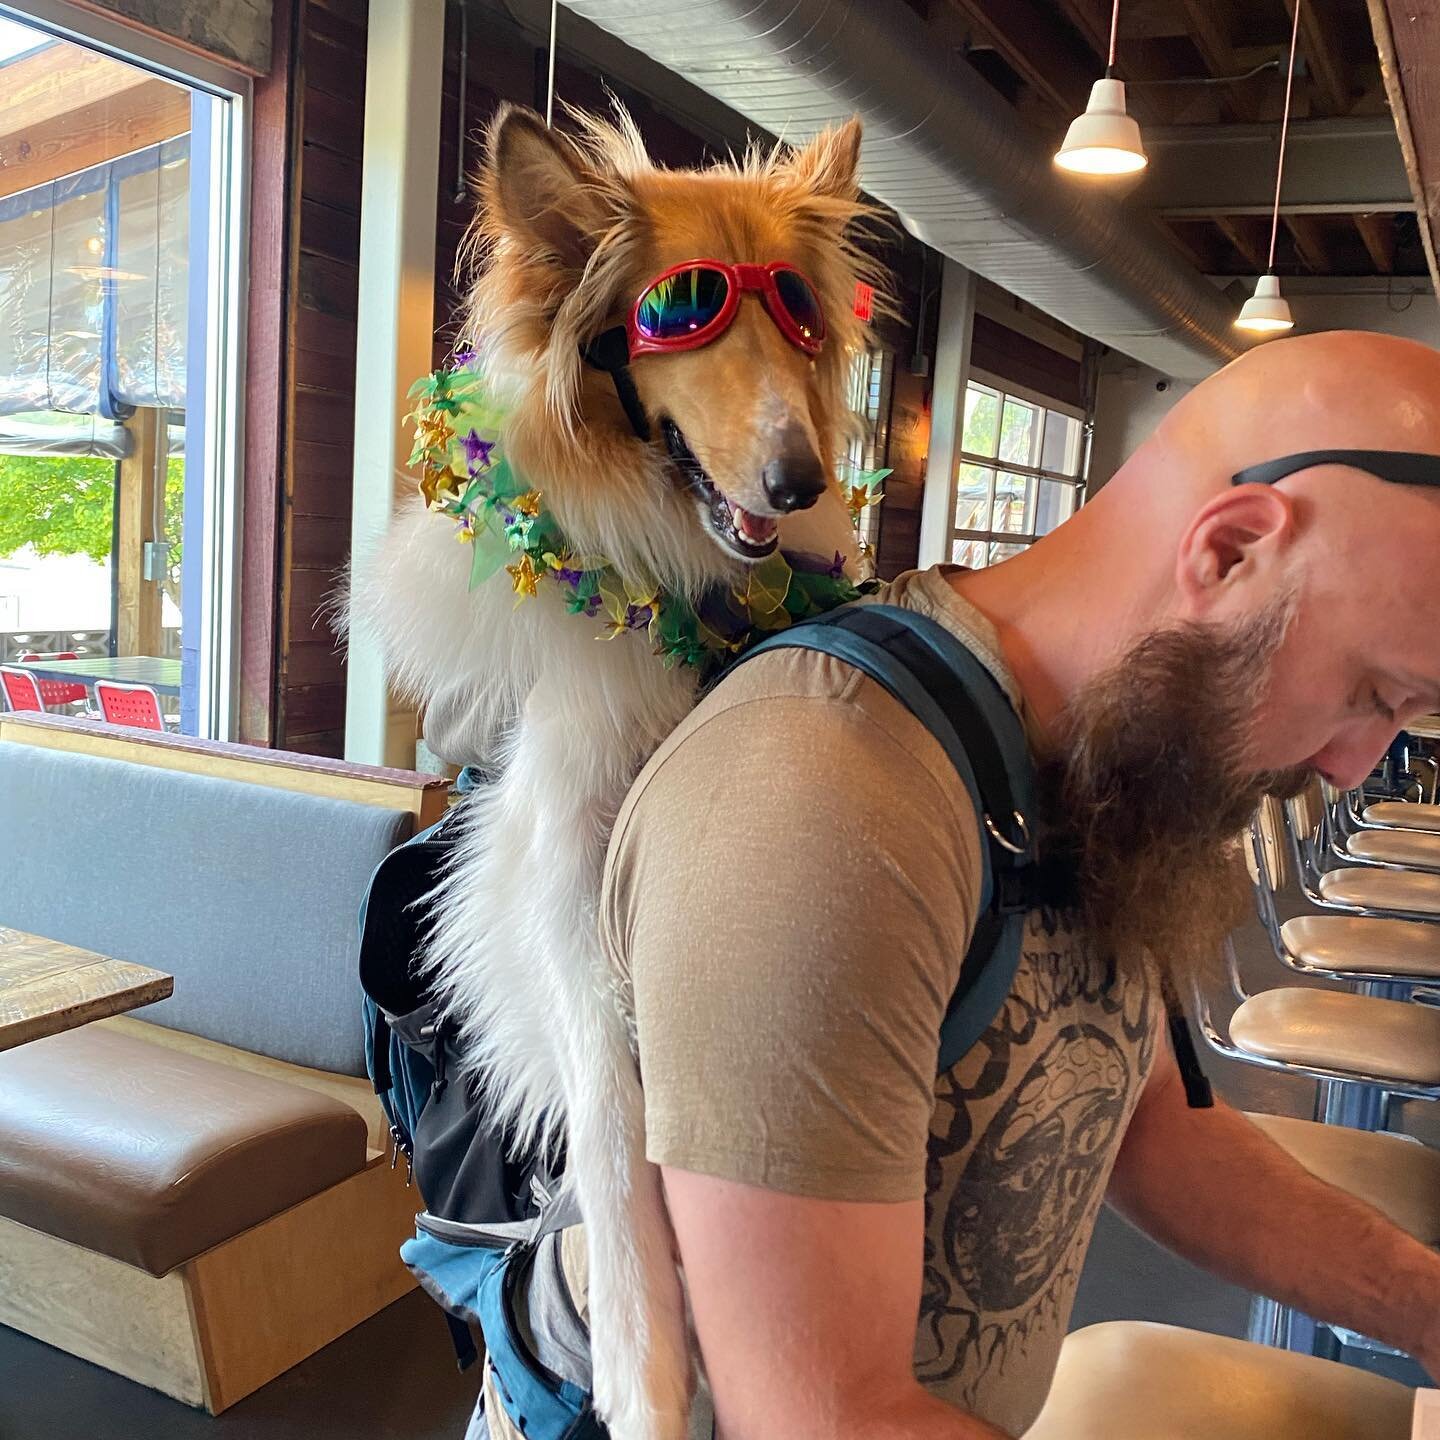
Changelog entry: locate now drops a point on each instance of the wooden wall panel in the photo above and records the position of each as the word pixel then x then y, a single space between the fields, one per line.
pixel 267 398
pixel 330 120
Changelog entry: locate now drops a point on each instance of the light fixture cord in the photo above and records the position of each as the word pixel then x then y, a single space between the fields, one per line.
pixel 1114 36
pixel 1284 132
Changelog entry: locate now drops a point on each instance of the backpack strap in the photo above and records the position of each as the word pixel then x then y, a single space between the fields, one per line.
pixel 942 683
pixel 945 686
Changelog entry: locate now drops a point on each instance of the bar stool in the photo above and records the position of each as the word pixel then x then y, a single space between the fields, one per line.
pixel 1357 886
pixel 1128 1380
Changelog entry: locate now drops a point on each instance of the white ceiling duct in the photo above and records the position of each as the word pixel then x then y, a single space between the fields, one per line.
pixel 946 152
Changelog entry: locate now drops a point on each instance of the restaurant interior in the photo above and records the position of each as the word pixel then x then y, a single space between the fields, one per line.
pixel 232 239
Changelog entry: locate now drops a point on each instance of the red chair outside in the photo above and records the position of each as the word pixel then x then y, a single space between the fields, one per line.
pixel 21 689
pixel 135 705
pixel 58 692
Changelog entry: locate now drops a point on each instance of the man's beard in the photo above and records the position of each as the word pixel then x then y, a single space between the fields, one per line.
pixel 1151 790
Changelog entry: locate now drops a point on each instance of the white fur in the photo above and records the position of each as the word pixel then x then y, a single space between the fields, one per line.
pixel 516 948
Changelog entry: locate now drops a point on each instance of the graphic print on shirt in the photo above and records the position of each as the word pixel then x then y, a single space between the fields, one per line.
pixel 1021 1145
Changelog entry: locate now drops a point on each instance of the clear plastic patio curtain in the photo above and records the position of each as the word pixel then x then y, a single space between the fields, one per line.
pixel 94 287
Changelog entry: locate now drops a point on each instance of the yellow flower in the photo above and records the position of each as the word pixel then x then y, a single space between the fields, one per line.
pixel 524 576
pixel 860 499
pixel 435 486
pixel 527 504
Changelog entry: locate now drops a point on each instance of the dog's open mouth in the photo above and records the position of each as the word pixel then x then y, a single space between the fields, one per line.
pixel 743 533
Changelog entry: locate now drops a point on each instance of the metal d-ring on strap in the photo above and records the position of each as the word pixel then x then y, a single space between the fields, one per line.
pixel 1010 845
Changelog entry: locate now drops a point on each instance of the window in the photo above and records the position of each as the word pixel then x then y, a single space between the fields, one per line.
pixel 120 288
pixel 869 404
pixel 1020 474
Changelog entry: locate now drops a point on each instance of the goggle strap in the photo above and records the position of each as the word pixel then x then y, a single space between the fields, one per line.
pixel 610 351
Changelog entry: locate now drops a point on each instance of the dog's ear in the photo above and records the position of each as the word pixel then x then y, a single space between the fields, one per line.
pixel 830 163
pixel 543 192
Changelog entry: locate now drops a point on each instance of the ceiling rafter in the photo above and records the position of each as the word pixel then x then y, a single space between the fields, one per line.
pixel 1024 33
pixel 1207 32
pixel 1378 233
pixel 1311 242
pixel 1325 55
pixel 1250 236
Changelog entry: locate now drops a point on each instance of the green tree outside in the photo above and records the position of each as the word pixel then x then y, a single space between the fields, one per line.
pixel 64 505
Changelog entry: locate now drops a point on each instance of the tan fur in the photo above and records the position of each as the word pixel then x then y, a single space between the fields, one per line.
pixel 571 229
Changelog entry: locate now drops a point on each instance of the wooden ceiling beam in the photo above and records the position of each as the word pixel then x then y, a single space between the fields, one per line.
pixel 103 130
pixel 1024 33
pixel 1091 18
pixel 1207 33
pixel 1408 39
pixel 1250 235
pixel 1311 243
pixel 1325 55
pixel 1378 233
pixel 55 80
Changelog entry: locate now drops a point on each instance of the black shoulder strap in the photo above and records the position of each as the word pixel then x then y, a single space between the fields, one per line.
pixel 951 692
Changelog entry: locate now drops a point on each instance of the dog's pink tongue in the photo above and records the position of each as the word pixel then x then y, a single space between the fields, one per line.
pixel 757 529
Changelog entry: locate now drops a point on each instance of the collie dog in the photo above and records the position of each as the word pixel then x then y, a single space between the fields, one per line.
pixel 745 434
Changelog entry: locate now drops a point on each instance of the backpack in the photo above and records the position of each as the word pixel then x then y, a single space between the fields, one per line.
pixel 488 1245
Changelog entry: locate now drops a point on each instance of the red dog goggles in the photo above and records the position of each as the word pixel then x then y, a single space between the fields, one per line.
pixel 692 304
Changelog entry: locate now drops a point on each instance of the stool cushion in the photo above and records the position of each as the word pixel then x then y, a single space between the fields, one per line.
pixel 1340 1031
pixel 1396 1174
pixel 1404 890
pixel 1364 944
pixel 152 1155
pixel 1406 816
pixel 1127 1380
pixel 1396 847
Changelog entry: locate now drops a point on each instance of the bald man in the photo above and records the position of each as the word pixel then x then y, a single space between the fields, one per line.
pixel 792 885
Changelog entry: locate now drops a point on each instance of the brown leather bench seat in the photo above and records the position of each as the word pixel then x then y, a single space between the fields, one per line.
pixel 152 1155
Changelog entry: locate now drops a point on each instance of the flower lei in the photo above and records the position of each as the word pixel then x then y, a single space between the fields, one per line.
pixel 465 474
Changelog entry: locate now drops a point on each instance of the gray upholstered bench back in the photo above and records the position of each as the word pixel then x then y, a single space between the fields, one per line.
pixel 247 895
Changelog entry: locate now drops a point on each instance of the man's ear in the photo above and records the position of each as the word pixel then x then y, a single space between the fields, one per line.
pixel 830 164
pixel 541 190
pixel 1241 536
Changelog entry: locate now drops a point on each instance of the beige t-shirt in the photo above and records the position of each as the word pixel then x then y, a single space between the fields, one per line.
pixel 790 890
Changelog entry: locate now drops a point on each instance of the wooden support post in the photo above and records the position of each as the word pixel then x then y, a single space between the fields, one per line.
pixel 140 498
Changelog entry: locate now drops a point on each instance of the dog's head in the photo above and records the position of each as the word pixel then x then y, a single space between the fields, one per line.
pixel 746 428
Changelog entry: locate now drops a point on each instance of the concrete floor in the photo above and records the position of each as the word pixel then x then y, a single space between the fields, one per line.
pixel 393 1378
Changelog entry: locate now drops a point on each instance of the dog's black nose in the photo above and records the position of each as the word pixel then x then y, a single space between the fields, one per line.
pixel 795 478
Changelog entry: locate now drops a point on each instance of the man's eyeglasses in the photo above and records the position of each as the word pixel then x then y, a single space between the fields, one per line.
pixel 1402 467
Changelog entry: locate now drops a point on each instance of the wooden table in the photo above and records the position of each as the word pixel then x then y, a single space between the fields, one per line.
pixel 47 987
pixel 160 674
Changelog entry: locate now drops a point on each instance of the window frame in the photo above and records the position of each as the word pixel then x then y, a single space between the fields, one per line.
pixel 1034 473
pixel 229 145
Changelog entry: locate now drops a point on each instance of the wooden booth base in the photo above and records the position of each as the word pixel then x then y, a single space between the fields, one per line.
pixel 219 1327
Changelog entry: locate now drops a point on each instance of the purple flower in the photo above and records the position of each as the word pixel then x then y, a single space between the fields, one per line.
pixel 477 451
pixel 465 357
pixel 593 604
pixel 837 566
pixel 637 617
pixel 570 577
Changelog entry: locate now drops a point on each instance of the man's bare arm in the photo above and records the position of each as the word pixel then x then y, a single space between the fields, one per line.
pixel 1219 1191
pixel 806 1311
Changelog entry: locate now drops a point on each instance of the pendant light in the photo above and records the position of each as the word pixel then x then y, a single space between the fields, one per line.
pixel 1104 140
pixel 1267 312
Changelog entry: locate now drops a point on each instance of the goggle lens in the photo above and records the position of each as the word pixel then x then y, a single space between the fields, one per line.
pixel 682 304
pixel 801 303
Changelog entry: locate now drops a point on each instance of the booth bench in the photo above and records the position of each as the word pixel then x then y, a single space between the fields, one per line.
pixel 198 1197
